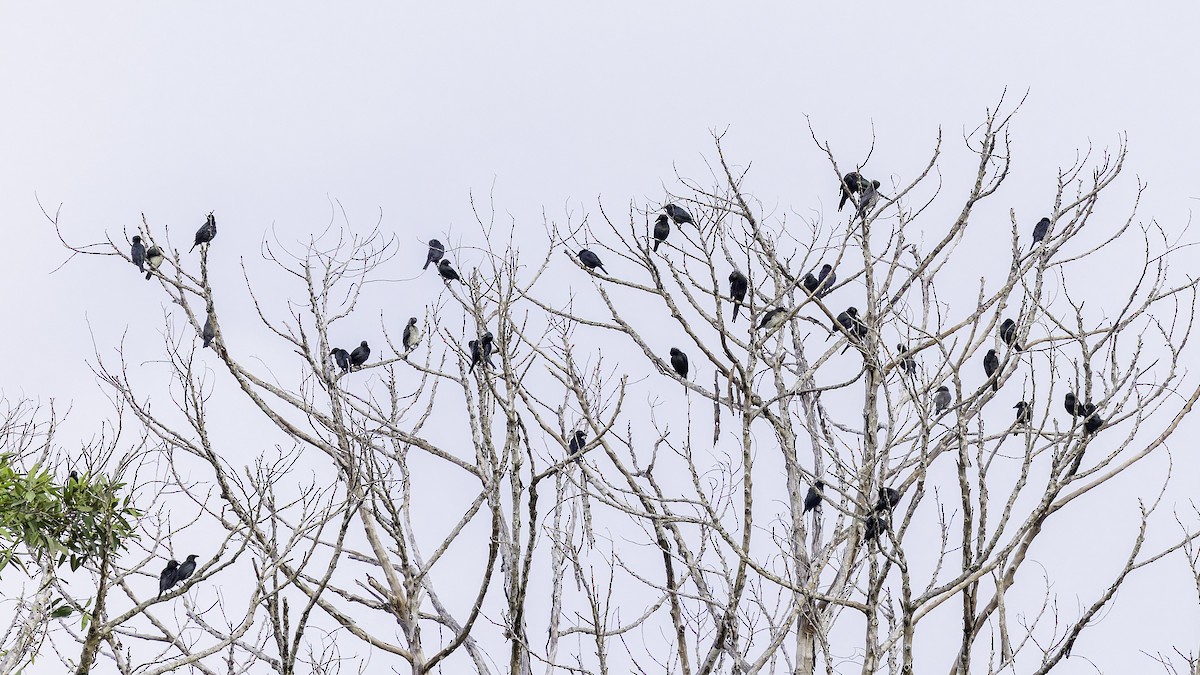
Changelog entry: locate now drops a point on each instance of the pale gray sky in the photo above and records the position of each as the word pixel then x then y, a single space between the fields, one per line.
pixel 263 113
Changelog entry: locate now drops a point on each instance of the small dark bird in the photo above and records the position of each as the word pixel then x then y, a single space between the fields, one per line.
pixel 662 229
pixel 73 476
pixel 185 569
pixel 679 362
pixel 1091 421
pixel 154 258
pixel 867 198
pixel 591 260
pixel 447 271
pixel 167 578
pixel 1024 413
pixel 849 322
pixel 578 440
pixel 773 319
pixel 138 253
pixel 476 356
pixel 812 500
pixel 907 364
pixel 412 335
pixel 820 284
pixel 1008 333
pixel 679 214
pixel 359 356
pixel 1073 406
pixel 486 347
pixel 941 400
pixel 738 285
pixel 874 526
pixel 342 358
pixel 436 251
pixel 991 363
pixel 1041 230
pixel 852 183
pixel 888 499
pixel 209 333
pixel 206 233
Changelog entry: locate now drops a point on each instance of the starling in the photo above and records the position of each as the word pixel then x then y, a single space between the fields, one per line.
pixel 679 361
pixel 679 214
pixel 773 319
pixel 813 499
pixel 486 347
pixel 578 440
pixel 662 229
pixel 359 356
pixel 476 356
pixel 167 578
pixel 991 363
pixel 849 322
pixel 591 260
pixel 342 358
pixel 206 233
pixel 412 335
pixel 436 251
pixel 154 258
pixel 1024 413
pixel 138 253
pixel 1041 230
pixel 867 198
pixel 447 271
pixel 941 400
pixel 907 364
pixel 1091 421
pixel 738 285
pixel 209 333
pixel 852 183
pixel 874 526
pixel 1008 333
pixel 888 499
pixel 1073 406
pixel 186 568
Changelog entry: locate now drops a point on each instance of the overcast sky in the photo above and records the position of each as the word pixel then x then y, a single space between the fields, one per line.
pixel 266 112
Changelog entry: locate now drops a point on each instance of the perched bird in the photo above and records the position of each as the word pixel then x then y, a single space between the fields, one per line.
pixel 812 500
pixel 154 258
pixel 1091 421
pixel 206 233
pixel 991 363
pixel 359 356
pixel 738 285
pixel 888 499
pixel 907 364
pixel 679 362
pixel 138 253
pixel 1072 404
pixel 436 251
pixel 852 183
pixel 342 358
pixel 486 347
pixel 578 440
pixel 1041 230
pixel 209 333
pixel 867 198
pixel 820 284
pixel 874 526
pixel 773 319
pixel 1024 413
pixel 412 335
pixel 186 568
pixel 1008 333
pixel 591 260
pixel 662 229
pixel 447 271
pixel 679 214
pixel 167 578
pixel 941 400
pixel 476 357
pixel 849 322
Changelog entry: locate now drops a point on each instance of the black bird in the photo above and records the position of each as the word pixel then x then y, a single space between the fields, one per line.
pixel 1041 230
pixel 874 526
pixel 773 319
pixel 1024 413
pixel 849 321
pixel 820 284
pixel 991 363
pixel 154 258
pixel 852 183
pixel 436 251
pixel 888 499
pixel 867 198
pixel 679 362
pixel 907 364
pixel 1008 333
pixel 359 356
pixel 447 271
pixel 679 214
pixel 412 335
pixel 167 578
pixel 185 569
pixel 662 229
pixel 342 358
pixel 73 476
pixel 209 332
pixel 591 260
pixel 738 285
pixel 941 400
pixel 1091 421
pixel 476 356
pixel 1072 404
pixel 578 440
pixel 486 346
pixel 812 500
pixel 138 253
pixel 206 233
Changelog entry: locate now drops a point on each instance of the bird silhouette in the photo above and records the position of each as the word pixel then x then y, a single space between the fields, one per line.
pixel 578 440
pixel 738 285
pixel 447 271
pixel 138 253
pixel 476 356
pixel 206 233
pixel 849 322
pixel 662 229
pixel 888 499
pixel 1092 421
pixel 873 527
pixel 819 284
pixel 486 347
pixel 852 183
pixel 679 214
pixel 1073 405
pixel 591 260
pixel 166 579
pixel 907 364
pixel 991 363
pixel 186 568
pixel 679 361
pixel 436 251
pixel 1041 230
pixel 867 198
pixel 209 333
pixel 1024 413
pixel 941 400
pixel 1008 333
pixel 412 335
pixel 359 356
pixel 812 500
pixel 342 358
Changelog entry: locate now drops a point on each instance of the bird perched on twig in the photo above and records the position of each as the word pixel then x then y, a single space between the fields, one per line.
pixel 820 284
pixel 868 197
pixel 137 253
pixel 662 229
pixel 436 251
pixel 154 258
pixel 209 333
pixel 873 527
pixel 446 270
pixel 578 440
pixel 773 319
pixel 591 261
pixel 412 335
pixel 991 363
pixel 908 365
pixel 1041 230
pixel 1092 421
pixel 888 499
pixel 206 233
pixel 342 358
pixel 359 356
pixel 852 183
pixel 941 399
pixel 679 361
pixel 679 214
pixel 486 347
pixel 850 323
pixel 186 568
pixel 1024 413
pixel 1008 333
pixel 738 285
pixel 812 500
pixel 166 579
pixel 1073 405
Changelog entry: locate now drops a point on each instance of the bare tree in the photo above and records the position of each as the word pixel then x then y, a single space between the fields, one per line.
pixel 538 486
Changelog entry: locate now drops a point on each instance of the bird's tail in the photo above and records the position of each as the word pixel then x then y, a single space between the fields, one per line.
pixel 736 306
pixel 996 384
pixel 656 243
pixel 207 342
pixel 602 269
pixel 148 275
pixel 427 261
pixel 1017 346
